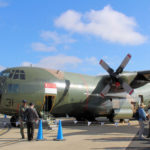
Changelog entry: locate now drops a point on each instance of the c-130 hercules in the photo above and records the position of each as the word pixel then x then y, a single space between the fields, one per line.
pixel 80 96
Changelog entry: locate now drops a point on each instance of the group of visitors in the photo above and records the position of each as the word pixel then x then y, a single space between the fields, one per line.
pixel 28 115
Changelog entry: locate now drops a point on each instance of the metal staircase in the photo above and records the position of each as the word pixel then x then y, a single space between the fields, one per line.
pixel 49 120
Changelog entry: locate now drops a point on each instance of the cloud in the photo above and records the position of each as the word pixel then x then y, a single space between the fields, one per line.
pixel 37 46
pixel 3 4
pixel 56 62
pixel 56 38
pixel 107 24
pixel 92 60
pixel 68 63
pixel 48 35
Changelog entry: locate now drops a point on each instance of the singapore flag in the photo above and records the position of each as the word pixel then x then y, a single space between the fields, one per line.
pixel 50 88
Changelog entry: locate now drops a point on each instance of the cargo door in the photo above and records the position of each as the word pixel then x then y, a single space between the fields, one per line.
pixel 48 103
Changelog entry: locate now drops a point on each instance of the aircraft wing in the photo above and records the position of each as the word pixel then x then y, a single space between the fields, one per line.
pixel 133 79
pixel 142 78
pixel 112 95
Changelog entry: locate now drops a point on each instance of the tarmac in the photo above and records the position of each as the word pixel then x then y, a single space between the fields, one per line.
pixel 100 135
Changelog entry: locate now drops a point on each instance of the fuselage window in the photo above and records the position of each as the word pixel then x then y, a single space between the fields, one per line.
pixel 9 87
pixel 13 88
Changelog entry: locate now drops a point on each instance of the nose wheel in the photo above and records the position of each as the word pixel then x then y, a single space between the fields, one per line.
pixel 13 120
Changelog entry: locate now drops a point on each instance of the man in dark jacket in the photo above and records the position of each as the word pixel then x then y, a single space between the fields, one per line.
pixel 22 110
pixel 31 116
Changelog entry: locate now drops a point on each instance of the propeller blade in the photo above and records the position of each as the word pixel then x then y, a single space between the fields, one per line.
pixel 106 67
pixel 127 88
pixel 123 64
pixel 105 90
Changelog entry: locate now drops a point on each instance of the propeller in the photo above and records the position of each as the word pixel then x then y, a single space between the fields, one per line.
pixel 115 76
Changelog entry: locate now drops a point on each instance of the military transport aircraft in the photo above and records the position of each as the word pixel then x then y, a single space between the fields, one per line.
pixel 81 96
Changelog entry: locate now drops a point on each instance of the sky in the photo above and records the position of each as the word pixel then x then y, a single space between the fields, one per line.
pixel 74 35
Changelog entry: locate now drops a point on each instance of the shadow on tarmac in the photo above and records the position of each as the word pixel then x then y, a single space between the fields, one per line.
pixel 122 148
pixel 139 144
pixel 95 129
pixel 9 141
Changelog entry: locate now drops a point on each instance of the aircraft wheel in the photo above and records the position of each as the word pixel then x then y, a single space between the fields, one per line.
pixel 121 120
pixel 91 118
pixel 111 116
pixel 111 119
pixel 80 119
pixel 13 120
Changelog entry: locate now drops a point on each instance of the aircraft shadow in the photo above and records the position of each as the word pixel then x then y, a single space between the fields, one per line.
pixel 96 128
pixel 9 141
pixel 112 139
pixel 4 131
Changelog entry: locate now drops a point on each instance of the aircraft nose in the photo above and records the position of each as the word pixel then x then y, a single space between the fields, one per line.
pixel 0 84
pixel 2 80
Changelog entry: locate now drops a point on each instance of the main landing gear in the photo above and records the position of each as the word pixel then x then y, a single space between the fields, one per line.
pixel 85 118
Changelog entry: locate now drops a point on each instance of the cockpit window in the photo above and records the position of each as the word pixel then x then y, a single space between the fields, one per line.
pixel 22 76
pixel 21 71
pixel 17 71
pixel 14 74
pixel 11 74
pixel 19 74
pixel 5 74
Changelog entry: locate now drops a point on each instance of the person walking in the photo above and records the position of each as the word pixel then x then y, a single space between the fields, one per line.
pixel 22 110
pixel 31 116
pixel 142 118
pixel 148 113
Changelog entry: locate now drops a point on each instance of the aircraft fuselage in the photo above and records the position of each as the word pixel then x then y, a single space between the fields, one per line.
pixel 60 93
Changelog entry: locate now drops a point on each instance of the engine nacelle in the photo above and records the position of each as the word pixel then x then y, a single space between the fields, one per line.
pixel 122 108
pixel 123 113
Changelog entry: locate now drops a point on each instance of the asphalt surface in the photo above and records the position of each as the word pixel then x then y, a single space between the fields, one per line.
pixel 100 135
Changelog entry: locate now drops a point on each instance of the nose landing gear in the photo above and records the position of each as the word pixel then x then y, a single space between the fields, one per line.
pixel 13 120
